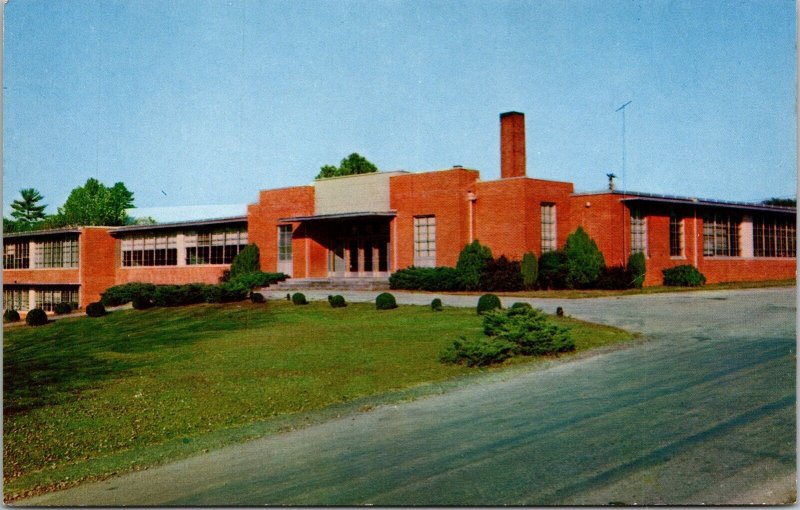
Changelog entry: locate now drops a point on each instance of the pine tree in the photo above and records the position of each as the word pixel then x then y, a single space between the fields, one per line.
pixel 27 209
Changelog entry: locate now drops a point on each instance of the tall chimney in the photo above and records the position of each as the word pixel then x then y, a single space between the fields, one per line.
pixel 512 145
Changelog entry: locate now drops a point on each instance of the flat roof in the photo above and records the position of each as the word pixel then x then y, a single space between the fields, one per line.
pixel 636 196
pixel 49 232
pixel 179 224
pixel 341 216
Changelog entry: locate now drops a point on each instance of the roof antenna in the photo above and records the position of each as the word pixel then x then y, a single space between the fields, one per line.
pixel 611 178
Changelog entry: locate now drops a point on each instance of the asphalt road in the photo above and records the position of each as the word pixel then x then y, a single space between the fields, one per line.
pixel 701 413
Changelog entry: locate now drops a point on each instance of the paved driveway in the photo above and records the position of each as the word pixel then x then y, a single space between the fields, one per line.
pixel 703 412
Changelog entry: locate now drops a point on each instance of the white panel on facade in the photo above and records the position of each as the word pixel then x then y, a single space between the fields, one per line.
pixel 353 193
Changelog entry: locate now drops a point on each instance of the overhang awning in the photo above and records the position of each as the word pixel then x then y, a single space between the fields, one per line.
pixel 341 216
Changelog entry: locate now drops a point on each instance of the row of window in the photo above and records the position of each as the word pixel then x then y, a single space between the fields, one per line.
pixel 219 247
pixel 51 253
pixel 19 297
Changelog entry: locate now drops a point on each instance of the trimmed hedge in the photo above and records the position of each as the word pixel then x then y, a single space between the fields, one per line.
pixel 142 303
pixel 257 279
pixel 501 275
pixel 488 302
pixel 441 279
pixel 11 316
pixel 299 298
pixel 529 267
pixel 36 317
pixel 385 301
pixel 553 270
pixel 436 305
pixel 337 301
pixel 62 308
pixel 121 294
pixel 615 278
pixel 683 276
pixel 95 309
pixel 257 297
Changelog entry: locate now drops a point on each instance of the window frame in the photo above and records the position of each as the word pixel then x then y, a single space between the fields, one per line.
pixel 548 223
pixel 424 232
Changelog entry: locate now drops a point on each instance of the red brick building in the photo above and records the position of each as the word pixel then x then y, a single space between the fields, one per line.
pixel 368 226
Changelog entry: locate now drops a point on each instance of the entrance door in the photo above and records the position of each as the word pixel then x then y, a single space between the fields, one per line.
pixel 285 264
pixel 337 265
pixel 359 250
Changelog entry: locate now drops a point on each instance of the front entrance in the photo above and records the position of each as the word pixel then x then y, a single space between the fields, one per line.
pixel 359 250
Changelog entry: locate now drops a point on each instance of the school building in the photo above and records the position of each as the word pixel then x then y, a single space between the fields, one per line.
pixel 370 225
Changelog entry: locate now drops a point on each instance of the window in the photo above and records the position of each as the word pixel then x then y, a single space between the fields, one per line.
pixel 284 242
pixel 15 255
pixel 638 232
pixel 150 250
pixel 56 252
pixel 15 298
pixel 425 241
pixel 548 213
pixel 215 247
pixel 48 298
pixel 721 235
pixel 774 237
pixel 675 236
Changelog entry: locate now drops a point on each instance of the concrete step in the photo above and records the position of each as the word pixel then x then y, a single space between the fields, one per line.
pixel 294 284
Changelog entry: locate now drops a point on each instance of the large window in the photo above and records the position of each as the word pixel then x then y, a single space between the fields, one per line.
pixel 48 298
pixel 284 242
pixel 425 241
pixel 774 237
pixel 56 252
pixel 675 236
pixel 216 247
pixel 638 232
pixel 15 298
pixel 151 250
pixel 548 219
pixel 721 235
pixel 16 254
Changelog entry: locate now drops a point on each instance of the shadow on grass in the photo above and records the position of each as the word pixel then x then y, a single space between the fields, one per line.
pixel 49 364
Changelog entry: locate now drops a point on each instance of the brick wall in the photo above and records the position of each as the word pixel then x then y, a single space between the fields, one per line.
pixel 98 261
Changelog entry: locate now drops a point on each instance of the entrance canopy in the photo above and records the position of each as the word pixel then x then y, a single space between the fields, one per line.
pixel 342 216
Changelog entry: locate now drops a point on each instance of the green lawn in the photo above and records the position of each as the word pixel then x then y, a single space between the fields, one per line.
pixel 84 398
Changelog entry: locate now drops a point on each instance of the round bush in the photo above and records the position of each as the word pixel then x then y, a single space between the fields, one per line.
pixel 257 297
pixel 488 302
pixel 436 305
pixel 95 309
pixel 519 305
pixel 142 302
pixel 683 276
pixel 337 301
pixel 299 298
pixel 385 301
pixel 62 308
pixel 10 316
pixel 36 317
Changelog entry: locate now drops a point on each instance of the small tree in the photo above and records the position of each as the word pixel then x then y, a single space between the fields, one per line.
pixel 471 262
pixel 351 165
pixel 637 268
pixel 95 204
pixel 530 270
pixel 27 208
pixel 553 270
pixel 247 261
pixel 584 260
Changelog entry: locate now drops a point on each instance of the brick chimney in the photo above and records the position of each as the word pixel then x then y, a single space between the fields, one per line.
pixel 512 145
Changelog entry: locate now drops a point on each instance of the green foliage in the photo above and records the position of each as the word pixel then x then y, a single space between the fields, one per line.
pixel 501 275
pixel 529 329
pixel 62 308
pixel 36 317
pixel 530 270
pixel 95 204
pixel 141 302
pixel 257 279
pixel 27 209
pixel 471 262
pixel 125 293
pixel 95 309
pixel 337 301
pixel 488 302
pixel 553 270
pixel 246 261
pixel 351 165
pixel 683 276
pixel 141 220
pixel 426 278
pixel 614 278
pixel 385 301
pixel 785 202
pixel 637 268
pixel 299 298
pixel 257 297
pixel 11 316
pixel 436 305
pixel 477 352
pixel 518 305
pixel 584 260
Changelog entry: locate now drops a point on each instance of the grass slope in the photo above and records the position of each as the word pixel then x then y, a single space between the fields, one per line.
pixel 85 397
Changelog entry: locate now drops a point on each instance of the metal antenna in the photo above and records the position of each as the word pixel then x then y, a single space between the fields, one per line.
pixel 622 108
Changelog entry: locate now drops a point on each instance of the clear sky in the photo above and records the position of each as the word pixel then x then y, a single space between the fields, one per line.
pixel 207 102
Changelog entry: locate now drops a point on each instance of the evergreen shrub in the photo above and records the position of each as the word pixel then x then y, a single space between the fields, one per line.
pixel 488 302
pixel 501 275
pixel 95 309
pixel 62 308
pixel 121 294
pixel 529 329
pixel 142 302
pixel 436 305
pixel 614 278
pixel 299 298
pixel 477 352
pixel 385 301
pixel 553 270
pixel 471 262
pixel 257 297
pixel 337 301
pixel 584 260
pixel 11 316
pixel 530 270
pixel 637 268
pixel 683 276
pixel 245 262
pixel 36 317
pixel 441 279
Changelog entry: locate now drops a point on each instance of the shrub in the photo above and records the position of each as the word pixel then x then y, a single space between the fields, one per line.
pixel 232 291
pixel 518 305
pixel 440 279
pixel 11 316
pixel 436 305
pixel 95 309
pixel 584 260
pixel 471 262
pixel 121 294
pixel 614 278
pixel 488 302
pixel 142 303
pixel 477 352
pixel 257 297
pixel 553 270
pixel 501 275
pixel 299 298
pixel 530 270
pixel 246 261
pixel 62 308
pixel 637 269
pixel 225 276
pixel 683 276
pixel 337 301
pixel 36 317
pixel 529 329
pixel 385 301
pixel 257 279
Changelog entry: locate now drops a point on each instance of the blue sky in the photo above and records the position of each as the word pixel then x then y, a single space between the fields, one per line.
pixel 207 102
